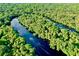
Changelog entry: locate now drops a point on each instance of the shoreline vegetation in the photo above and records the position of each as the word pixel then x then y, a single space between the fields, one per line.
pixel 32 16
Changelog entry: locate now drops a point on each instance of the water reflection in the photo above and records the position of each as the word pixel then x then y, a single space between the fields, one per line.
pixel 60 25
pixel 42 47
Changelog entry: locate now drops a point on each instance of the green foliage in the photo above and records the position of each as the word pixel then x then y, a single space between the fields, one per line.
pixel 34 17
pixel 11 44
pixel 60 39
pixel 10 40
pixel 4 50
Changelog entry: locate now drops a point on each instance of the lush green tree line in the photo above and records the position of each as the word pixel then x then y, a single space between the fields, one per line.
pixel 32 17
pixel 60 39
pixel 11 44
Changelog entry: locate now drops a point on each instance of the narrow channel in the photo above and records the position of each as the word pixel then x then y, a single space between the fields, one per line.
pixel 42 48
pixel 60 25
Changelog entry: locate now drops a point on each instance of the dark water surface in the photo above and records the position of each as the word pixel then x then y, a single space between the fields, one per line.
pixel 41 47
pixel 60 25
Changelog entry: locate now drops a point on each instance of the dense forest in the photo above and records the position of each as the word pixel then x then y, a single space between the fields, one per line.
pixel 11 44
pixel 40 19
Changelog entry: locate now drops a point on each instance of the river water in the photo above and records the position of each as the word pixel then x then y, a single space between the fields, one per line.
pixel 60 25
pixel 42 48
